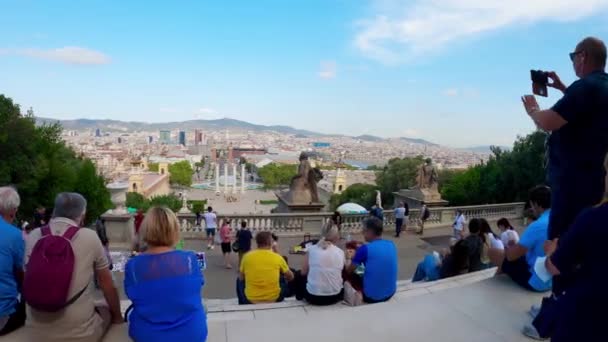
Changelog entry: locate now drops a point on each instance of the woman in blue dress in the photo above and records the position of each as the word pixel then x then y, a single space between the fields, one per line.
pixel 164 285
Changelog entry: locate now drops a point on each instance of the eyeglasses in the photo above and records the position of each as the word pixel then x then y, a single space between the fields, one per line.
pixel 573 54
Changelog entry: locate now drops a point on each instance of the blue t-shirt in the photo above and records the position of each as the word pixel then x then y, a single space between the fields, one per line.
pixel 12 249
pixel 533 238
pixel 380 260
pixel 166 293
pixel 578 148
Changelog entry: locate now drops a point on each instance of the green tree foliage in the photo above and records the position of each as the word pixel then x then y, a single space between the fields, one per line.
pixel 153 167
pixel 37 162
pixel 274 175
pixel 171 201
pixel 362 194
pixel 399 173
pixel 197 206
pixel 181 173
pixel 506 177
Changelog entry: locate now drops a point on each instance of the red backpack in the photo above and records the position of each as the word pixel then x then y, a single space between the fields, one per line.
pixel 48 273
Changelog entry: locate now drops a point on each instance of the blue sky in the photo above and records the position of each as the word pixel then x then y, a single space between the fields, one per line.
pixel 445 70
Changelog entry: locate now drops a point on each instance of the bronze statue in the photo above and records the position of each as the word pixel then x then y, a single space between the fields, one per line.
pixel 427 176
pixel 303 186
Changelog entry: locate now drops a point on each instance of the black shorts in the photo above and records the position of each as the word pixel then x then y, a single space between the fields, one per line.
pixel 226 247
pixel 519 271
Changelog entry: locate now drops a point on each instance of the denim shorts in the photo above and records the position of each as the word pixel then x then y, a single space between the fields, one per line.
pixel 210 231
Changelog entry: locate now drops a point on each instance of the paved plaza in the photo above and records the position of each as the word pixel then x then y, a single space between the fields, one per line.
pixel 245 203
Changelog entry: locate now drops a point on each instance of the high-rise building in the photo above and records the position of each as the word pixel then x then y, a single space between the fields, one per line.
pixel 182 138
pixel 165 136
pixel 198 137
pixel 119 140
pixel 97 132
pixel 150 139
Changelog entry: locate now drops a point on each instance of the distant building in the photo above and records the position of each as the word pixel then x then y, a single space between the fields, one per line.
pixel 150 139
pixel 150 184
pixel 119 140
pixel 319 144
pixel 98 133
pixel 182 138
pixel 165 136
pixel 198 137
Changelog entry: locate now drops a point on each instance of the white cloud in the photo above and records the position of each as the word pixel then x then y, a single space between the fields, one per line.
pixel 328 70
pixel 68 55
pixel 402 29
pixel 451 92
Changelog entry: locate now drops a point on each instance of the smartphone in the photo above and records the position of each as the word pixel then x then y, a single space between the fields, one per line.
pixel 539 82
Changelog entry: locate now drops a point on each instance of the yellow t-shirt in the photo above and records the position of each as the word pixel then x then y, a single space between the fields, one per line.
pixel 262 268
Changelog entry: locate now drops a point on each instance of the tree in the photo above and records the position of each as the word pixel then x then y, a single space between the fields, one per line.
pixel 137 201
pixel 506 177
pixel 171 201
pixel 362 194
pixel 396 175
pixel 153 167
pixel 181 173
pixel 38 163
pixel 274 175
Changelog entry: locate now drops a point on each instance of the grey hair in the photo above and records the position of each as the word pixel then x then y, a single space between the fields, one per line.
pixel 9 199
pixel 70 205
pixel 329 234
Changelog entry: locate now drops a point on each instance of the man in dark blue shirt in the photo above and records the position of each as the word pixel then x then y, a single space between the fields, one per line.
pixel 578 123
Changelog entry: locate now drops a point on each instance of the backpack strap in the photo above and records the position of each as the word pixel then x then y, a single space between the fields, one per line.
pixel 45 230
pixel 70 232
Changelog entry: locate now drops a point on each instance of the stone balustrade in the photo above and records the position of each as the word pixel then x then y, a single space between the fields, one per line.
pixel 120 227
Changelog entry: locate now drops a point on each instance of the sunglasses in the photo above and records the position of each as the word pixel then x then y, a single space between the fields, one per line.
pixel 573 54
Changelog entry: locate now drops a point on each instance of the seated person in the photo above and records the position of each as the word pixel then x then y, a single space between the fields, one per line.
pixel 518 260
pixel 478 256
pixel 508 234
pixel 492 240
pixel 12 250
pixel 83 318
pixel 160 314
pixel 260 273
pixel 451 263
pixel 323 266
pixel 378 258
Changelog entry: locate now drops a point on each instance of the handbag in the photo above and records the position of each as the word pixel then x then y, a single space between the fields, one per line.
pixel 235 247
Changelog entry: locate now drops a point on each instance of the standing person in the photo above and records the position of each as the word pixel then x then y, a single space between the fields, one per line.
pixel 425 213
pixel 458 225
pixel 77 317
pixel 399 218
pixel 12 250
pixel 210 227
pixel 138 219
pixel 39 217
pixel 336 219
pixel 577 122
pixel 226 246
pixel 199 218
pixel 158 314
pixel 579 310
pixel 406 219
pixel 243 237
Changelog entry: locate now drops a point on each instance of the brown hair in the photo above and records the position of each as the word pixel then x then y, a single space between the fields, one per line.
pixel 160 227
pixel 263 239
pixel 595 50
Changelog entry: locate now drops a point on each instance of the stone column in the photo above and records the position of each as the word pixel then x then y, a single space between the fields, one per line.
pixel 234 186
pixel 217 177
pixel 225 178
pixel 242 178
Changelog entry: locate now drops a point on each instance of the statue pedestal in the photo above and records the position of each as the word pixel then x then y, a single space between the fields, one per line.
pixel 310 224
pixel 415 197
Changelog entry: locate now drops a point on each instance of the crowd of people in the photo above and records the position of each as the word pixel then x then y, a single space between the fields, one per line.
pixel 52 270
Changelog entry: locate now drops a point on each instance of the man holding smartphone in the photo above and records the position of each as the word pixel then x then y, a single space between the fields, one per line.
pixel 578 124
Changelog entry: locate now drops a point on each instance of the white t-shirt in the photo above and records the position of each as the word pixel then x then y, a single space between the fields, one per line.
pixel 325 270
pixel 210 220
pixel 459 223
pixel 509 235
pixel 494 242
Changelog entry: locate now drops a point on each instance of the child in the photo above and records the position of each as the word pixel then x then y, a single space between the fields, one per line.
pixel 508 235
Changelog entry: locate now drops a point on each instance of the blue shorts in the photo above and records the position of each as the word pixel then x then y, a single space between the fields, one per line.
pixel 210 231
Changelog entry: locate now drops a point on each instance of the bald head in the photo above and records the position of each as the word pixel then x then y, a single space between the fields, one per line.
pixel 595 52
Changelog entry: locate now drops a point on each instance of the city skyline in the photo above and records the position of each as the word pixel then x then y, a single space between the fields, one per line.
pixel 450 72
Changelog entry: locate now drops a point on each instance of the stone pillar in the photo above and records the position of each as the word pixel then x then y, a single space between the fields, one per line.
pixel 225 178
pixel 217 177
pixel 234 186
pixel 120 229
pixel 243 178
pixel 118 193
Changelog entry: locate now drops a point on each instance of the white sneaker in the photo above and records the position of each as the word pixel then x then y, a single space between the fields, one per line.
pixel 212 247
pixel 208 246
